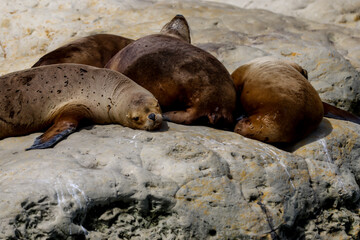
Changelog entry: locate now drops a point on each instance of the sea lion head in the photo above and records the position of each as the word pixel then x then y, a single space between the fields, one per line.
pixel 177 27
pixel 143 112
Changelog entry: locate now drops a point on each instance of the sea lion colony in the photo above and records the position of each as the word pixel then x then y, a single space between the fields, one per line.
pixel 185 79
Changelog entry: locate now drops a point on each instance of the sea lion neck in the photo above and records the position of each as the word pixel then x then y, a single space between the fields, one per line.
pixel 177 27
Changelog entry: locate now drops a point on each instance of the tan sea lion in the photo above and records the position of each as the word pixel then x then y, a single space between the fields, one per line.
pixel 191 85
pixel 57 97
pixel 95 50
pixel 330 111
pixel 279 103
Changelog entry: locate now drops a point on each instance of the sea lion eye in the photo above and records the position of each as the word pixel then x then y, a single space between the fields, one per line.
pixel 135 118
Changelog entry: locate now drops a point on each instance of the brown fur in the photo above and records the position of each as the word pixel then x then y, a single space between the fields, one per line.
pixel 95 50
pixel 59 96
pixel 190 84
pixel 279 103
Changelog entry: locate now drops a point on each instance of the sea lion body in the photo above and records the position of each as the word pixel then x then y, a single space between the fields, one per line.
pixel 190 84
pixel 95 50
pixel 280 104
pixel 61 95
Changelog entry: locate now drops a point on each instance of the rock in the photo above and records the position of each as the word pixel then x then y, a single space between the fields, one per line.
pixel 340 12
pixel 181 182
pixel 186 182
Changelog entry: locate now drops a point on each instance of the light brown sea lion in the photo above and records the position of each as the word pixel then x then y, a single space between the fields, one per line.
pixel 279 103
pixel 57 97
pixel 191 85
pixel 95 50
pixel 330 111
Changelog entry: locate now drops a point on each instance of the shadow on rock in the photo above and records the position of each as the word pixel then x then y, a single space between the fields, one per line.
pixel 324 129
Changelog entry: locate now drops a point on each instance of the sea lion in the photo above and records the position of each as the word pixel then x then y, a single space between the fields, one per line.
pixel 279 103
pixel 57 97
pixel 95 50
pixel 192 86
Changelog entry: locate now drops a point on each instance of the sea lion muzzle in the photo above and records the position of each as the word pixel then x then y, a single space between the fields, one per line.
pixel 152 116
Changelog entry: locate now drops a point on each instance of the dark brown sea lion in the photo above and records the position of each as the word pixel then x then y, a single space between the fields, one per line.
pixel 279 103
pixel 191 85
pixel 95 50
pixel 57 97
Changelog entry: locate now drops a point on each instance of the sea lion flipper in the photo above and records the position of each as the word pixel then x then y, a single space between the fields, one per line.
pixel 337 113
pixel 181 117
pixel 40 144
pixel 64 126
pixel 177 27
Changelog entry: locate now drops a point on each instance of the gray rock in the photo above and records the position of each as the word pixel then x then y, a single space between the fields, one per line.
pixel 344 13
pixel 179 183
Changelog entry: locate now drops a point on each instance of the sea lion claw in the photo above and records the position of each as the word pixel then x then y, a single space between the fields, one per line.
pixel 39 144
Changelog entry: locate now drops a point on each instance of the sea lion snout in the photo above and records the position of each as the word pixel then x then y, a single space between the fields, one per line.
pixel 154 122
pixel 152 116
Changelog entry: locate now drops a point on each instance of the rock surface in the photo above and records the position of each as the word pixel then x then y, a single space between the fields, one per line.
pixel 187 182
pixel 179 183
pixel 342 12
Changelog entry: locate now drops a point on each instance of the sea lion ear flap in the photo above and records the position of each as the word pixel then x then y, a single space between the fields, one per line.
pixel 299 68
pixel 304 73
pixel 177 27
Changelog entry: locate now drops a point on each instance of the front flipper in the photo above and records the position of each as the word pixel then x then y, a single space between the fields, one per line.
pixel 45 141
pixel 65 123
pixel 181 117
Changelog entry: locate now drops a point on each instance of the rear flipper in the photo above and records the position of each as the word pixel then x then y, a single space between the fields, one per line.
pixel 337 113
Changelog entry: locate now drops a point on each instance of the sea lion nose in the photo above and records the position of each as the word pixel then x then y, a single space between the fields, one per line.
pixel 152 116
